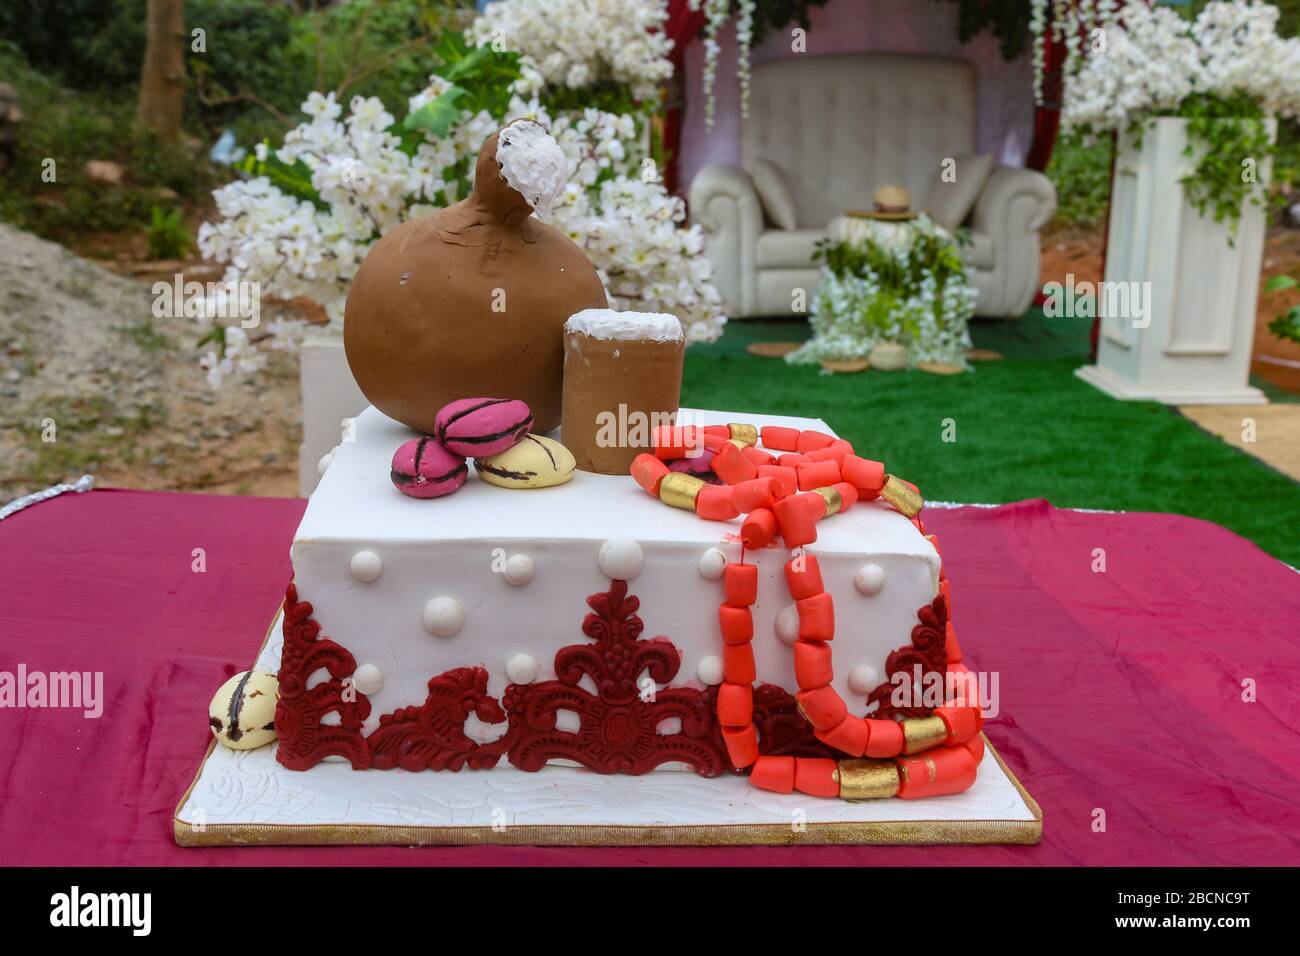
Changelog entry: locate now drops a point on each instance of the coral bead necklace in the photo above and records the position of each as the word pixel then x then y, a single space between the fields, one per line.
pixel 787 495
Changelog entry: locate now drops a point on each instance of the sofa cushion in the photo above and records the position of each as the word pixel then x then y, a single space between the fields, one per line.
pixel 949 203
pixel 981 253
pixel 787 249
pixel 773 188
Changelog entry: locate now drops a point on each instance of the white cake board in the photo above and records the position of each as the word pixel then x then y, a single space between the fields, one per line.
pixel 248 798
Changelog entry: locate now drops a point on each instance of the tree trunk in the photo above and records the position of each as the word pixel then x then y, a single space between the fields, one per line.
pixel 162 77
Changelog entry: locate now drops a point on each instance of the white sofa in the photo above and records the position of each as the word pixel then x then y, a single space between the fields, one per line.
pixel 839 127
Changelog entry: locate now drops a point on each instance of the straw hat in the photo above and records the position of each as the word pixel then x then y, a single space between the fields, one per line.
pixel 893 203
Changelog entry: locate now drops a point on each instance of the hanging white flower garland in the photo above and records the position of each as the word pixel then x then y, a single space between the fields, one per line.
pixel 1070 20
pixel 744 39
pixel 716 15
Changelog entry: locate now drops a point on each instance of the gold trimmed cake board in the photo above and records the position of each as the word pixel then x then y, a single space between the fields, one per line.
pixel 269 791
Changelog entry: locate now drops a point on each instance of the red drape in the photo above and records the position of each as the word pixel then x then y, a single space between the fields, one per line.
pixel 1047 116
pixel 682 26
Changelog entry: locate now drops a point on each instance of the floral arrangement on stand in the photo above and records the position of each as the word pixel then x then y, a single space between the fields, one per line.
pixel 1226 72
pixel 890 282
pixel 304 220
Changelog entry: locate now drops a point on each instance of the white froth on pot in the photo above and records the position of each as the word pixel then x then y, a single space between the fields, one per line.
pixel 533 164
pixel 628 326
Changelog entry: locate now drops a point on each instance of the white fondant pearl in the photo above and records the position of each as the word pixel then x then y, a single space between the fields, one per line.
pixel 443 616
pixel 863 679
pixel 368 679
pixel 621 559
pixel 787 624
pixel 709 670
pixel 713 563
pixel 519 570
pixel 366 566
pixel 521 669
pixel 869 579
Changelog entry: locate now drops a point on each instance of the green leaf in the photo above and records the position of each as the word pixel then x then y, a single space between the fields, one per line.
pixel 437 116
pixel 217 336
pixel 1287 325
pixel 465 62
pixel 486 75
pixel 1280 283
pixel 468 65
pixel 293 179
pixel 452 48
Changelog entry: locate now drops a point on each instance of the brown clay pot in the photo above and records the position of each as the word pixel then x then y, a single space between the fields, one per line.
pixel 468 301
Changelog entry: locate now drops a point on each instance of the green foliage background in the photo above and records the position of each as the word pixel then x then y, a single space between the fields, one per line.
pixel 70 128
pixel 259 47
pixel 1008 20
pixel 76 65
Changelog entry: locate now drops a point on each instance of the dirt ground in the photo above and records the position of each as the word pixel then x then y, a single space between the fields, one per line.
pixel 1271 433
pixel 1276 360
pixel 1070 251
pixel 81 349
pixel 92 382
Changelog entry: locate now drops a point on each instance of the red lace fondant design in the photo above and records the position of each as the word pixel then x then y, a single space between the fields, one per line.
pixel 619 725
pixel 928 649
pixel 432 736
pixel 782 730
pixel 305 738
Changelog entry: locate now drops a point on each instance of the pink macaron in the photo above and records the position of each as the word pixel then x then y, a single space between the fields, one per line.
pixel 701 465
pixel 479 427
pixel 424 469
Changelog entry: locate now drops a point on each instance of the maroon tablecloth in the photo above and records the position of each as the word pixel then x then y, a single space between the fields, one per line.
pixel 1121 691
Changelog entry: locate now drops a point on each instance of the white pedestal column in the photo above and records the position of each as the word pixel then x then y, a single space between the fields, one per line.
pixel 329 395
pixel 1191 344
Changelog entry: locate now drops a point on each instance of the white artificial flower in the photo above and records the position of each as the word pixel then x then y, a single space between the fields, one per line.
pixel 1153 60
pixel 322 106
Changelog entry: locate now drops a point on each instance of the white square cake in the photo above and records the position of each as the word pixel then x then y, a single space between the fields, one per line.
pixel 553 626
pixel 504 575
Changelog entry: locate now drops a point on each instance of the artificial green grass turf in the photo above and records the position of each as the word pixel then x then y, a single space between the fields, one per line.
pixel 1026 427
